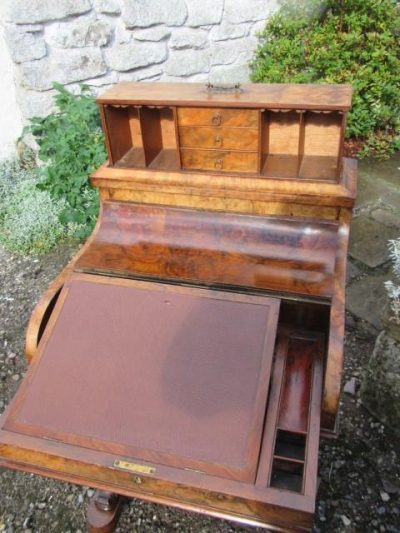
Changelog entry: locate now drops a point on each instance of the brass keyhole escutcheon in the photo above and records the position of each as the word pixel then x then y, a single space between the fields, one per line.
pixel 218 140
pixel 219 163
pixel 217 119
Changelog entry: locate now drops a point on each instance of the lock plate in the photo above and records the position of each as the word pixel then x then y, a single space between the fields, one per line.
pixel 134 467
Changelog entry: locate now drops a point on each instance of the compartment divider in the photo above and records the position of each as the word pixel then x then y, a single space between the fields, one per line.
pixel 301 141
pixel 289 454
pixel 288 459
pixel 262 138
pixel 176 137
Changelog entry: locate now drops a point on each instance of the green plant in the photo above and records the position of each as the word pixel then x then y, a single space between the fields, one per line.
pixel 71 146
pixel 345 41
pixel 29 218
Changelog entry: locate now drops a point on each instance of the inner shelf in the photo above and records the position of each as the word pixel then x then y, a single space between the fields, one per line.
pixel 142 137
pixel 289 144
pixel 301 145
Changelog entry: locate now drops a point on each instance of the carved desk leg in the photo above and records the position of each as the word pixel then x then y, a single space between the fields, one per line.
pixel 103 512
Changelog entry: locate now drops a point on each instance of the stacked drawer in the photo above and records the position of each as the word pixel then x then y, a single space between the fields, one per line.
pixel 219 139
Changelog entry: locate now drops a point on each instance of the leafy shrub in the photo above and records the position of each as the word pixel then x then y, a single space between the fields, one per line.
pixel 71 146
pixel 29 217
pixel 12 173
pixel 345 41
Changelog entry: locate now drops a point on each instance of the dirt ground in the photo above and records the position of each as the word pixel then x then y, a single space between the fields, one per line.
pixel 359 472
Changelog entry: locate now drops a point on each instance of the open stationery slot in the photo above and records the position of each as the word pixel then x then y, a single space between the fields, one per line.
pixel 280 143
pixel 293 416
pixel 287 474
pixel 291 436
pixel 125 144
pixel 290 446
pixel 320 150
pixel 288 462
pixel 301 144
pixel 141 137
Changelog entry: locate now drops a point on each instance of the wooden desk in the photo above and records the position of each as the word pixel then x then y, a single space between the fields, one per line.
pixel 191 353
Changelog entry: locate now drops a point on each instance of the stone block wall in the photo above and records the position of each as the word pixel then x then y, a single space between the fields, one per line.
pixel 11 120
pixel 100 42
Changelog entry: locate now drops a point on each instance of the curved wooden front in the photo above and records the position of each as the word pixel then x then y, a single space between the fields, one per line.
pixel 285 255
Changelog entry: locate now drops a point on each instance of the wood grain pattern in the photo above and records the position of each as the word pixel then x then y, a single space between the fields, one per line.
pixel 334 367
pixel 279 513
pixel 275 96
pixel 282 255
pixel 193 116
pixel 280 165
pixel 318 167
pixel 118 124
pixel 254 207
pixel 223 189
pixel 295 401
pixel 322 134
pixel 219 160
pixel 219 138
pixel 284 132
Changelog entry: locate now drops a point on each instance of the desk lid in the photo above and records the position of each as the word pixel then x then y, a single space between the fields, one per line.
pixel 274 95
pixel 151 372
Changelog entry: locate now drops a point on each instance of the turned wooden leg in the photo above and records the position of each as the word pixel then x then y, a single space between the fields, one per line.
pixel 103 512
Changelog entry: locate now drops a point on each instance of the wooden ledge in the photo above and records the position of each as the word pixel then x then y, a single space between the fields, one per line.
pixel 251 188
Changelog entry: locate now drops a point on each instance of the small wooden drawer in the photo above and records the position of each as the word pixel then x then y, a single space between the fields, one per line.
pixel 219 160
pixel 197 116
pixel 219 138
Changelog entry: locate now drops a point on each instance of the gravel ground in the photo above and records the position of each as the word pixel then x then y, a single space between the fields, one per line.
pixel 359 472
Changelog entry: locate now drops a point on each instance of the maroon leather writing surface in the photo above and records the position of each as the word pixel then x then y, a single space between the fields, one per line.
pixel 178 376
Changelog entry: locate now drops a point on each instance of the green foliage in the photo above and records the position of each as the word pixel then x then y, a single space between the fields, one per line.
pixel 29 217
pixel 345 41
pixel 71 146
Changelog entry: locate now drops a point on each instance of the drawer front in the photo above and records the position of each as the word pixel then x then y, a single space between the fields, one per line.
pixel 197 116
pixel 219 160
pixel 219 138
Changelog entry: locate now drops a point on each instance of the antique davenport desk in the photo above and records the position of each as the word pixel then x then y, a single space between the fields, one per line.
pixel 191 353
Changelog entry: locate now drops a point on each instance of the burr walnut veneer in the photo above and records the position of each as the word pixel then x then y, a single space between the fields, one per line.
pixel 191 353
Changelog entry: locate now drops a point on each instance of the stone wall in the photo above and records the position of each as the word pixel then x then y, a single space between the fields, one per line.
pixel 11 120
pixel 100 42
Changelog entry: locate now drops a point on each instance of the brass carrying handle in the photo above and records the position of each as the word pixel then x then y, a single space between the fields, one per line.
pixel 218 141
pixel 224 88
pixel 218 164
pixel 217 119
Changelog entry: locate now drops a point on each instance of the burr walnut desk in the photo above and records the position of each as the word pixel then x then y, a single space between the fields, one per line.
pixel 191 353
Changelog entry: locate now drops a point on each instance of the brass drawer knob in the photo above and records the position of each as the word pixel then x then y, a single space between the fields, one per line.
pixel 218 141
pixel 217 119
pixel 218 164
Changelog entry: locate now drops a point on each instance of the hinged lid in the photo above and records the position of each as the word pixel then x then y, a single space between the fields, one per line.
pixel 171 375
pixel 276 95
